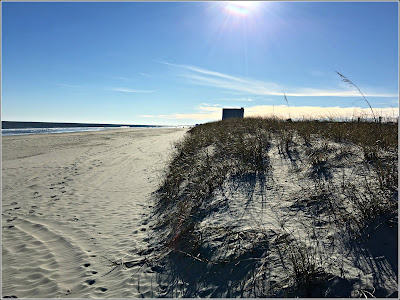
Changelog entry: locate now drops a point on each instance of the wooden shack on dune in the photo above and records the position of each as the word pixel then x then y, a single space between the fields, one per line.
pixel 228 113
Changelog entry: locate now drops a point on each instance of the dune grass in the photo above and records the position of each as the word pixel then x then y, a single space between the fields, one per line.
pixel 220 158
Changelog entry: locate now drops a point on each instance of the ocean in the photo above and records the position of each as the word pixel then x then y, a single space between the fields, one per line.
pixel 22 128
pixel 21 131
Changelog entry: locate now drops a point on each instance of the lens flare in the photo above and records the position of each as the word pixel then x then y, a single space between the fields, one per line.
pixel 240 8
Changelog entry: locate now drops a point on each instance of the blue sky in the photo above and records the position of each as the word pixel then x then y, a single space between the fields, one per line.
pixel 178 63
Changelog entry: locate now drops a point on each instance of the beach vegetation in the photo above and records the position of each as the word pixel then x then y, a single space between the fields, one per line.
pixel 263 207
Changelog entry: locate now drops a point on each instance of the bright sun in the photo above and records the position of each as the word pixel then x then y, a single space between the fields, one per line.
pixel 240 8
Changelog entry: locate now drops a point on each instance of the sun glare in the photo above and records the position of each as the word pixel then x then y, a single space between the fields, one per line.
pixel 240 8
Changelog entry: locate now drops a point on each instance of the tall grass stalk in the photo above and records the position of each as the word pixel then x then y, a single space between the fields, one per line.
pixel 287 102
pixel 346 80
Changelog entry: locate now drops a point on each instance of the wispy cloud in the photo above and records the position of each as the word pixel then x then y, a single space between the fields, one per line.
pixel 212 113
pixel 204 113
pixel 205 107
pixel 119 77
pixel 144 74
pixel 204 71
pixel 126 90
pixel 310 92
pixel 316 112
pixel 199 76
pixel 242 99
pixel 194 116
pixel 67 85
pixel 147 116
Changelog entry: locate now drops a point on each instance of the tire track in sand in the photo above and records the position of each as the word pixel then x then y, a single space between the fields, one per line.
pixel 75 206
pixel 44 259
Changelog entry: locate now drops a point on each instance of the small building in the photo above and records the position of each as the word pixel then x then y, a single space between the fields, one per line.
pixel 228 113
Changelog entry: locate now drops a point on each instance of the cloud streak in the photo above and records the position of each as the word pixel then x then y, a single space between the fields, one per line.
pixel 119 78
pixel 316 112
pixel 126 90
pixel 212 113
pixel 67 85
pixel 199 76
pixel 204 113
pixel 144 74
pixel 243 99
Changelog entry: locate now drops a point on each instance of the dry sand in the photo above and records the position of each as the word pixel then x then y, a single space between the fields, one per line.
pixel 72 201
pixel 277 233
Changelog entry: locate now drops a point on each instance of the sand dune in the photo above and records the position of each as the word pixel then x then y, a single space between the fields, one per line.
pixel 262 208
pixel 74 207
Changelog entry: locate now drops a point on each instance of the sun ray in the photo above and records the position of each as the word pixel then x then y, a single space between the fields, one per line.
pixel 240 8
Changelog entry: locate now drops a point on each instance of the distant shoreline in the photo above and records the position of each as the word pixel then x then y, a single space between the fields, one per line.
pixel 21 125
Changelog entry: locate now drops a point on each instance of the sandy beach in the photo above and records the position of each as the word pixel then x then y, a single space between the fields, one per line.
pixel 248 208
pixel 74 206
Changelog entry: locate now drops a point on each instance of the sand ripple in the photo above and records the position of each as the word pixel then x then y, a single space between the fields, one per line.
pixel 74 212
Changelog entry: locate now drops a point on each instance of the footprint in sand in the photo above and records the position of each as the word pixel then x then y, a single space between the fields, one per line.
pixel 90 281
pixel 36 195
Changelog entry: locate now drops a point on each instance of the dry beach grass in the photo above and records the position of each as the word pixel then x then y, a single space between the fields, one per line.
pixel 260 207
